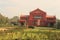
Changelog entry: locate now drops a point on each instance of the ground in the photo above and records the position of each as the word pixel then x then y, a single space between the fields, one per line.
pixel 40 33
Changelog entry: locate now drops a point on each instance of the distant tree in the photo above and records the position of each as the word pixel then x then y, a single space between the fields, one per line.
pixel 14 20
pixel 58 23
pixel 3 19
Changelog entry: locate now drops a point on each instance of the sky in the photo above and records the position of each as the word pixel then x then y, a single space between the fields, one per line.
pixel 10 8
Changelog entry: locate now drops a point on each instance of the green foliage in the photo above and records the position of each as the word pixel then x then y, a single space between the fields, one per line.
pixel 58 23
pixel 3 19
pixel 6 22
pixel 14 20
pixel 30 34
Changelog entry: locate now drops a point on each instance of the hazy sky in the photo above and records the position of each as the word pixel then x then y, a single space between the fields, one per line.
pixel 12 8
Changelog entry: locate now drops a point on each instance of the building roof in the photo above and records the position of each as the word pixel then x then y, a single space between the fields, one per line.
pixel 38 10
pixel 50 16
pixel 24 16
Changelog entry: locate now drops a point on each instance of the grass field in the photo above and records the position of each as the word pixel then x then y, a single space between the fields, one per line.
pixel 30 34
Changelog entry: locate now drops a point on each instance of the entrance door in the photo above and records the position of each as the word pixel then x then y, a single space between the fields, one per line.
pixel 38 22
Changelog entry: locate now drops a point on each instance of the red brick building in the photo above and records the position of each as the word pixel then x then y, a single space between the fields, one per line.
pixel 38 18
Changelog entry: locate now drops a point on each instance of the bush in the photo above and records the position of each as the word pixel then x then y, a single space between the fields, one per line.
pixel 31 27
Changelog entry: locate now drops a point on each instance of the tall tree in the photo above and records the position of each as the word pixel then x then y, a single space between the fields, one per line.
pixel 3 19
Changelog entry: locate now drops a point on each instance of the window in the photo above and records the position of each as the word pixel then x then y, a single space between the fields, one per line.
pixel 37 17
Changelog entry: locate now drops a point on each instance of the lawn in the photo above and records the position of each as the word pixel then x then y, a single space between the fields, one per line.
pixel 30 34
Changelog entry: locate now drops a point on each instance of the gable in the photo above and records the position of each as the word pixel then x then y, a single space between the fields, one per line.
pixel 38 11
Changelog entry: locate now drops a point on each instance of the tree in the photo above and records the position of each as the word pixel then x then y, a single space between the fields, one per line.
pixel 58 23
pixel 3 19
pixel 14 20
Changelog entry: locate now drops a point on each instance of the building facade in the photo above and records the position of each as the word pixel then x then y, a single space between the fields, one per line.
pixel 37 18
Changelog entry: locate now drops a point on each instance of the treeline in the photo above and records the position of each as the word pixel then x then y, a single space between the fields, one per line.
pixel 7 22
